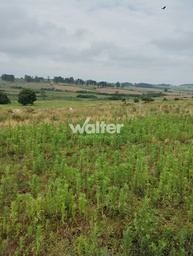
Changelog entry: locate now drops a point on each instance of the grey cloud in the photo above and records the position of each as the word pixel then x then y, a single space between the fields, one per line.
pixel 180 42
pixel 105 38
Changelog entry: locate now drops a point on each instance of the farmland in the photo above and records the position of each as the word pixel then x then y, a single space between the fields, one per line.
pixel 96 194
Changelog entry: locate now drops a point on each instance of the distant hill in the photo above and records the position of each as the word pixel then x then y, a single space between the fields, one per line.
pixel 144 85
pixel 186 85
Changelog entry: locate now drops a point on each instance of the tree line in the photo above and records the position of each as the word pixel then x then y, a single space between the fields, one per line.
pixel 8 78
pixel 79 81
pixel 58 79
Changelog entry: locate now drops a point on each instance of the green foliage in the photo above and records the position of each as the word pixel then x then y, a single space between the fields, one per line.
pixel 99 194
pixel 136 100
pixel 115 97
pixel 8 78
pixel 26 96
pixel 16 87
pixel 84 96
pixel 4 98
pixel 147 99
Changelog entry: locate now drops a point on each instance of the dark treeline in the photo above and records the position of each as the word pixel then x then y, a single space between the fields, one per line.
pixel 36 79
pixel 144 85
pixel 8 78
pixel 71 80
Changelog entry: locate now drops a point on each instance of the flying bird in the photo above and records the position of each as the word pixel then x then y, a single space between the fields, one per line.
pixel 164 7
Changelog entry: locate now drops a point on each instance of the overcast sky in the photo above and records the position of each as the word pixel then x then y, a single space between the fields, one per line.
pixel 109 40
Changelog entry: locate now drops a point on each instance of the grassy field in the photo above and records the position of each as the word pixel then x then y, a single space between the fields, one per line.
pixel 68 92
pixel 96 194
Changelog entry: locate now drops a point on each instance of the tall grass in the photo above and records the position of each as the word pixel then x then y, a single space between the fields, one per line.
pixel 98 194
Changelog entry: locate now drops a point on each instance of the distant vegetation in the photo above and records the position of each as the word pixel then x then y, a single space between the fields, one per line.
pixel 84 96
pixel 16 87
pixel 48 88
pixel 8 78
pixel 79 81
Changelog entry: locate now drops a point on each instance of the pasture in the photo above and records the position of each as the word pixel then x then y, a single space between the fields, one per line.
pixel 96 194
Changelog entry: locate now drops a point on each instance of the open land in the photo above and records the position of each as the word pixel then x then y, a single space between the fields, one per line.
pixel 96 194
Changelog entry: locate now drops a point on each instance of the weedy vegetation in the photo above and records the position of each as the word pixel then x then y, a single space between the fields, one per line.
pixel 97 194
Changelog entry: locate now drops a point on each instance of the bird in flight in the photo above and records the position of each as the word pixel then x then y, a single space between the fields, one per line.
pixel 164 7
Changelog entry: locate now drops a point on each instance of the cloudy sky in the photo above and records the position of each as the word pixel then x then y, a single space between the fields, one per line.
pixel 109 40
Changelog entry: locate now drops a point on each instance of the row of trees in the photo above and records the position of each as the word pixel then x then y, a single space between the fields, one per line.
pixel 8 78
pixel 36 79
pixel 59 79
pixel 71 80
pixel 27 78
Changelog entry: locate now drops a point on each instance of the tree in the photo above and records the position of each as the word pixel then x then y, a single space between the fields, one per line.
pixel 91 82
pixel 69 80
pixel 58 79
pixel 118 84
pixel 102 84
pixel 9 78
pixel 28 79
pixel 4 99
pixel 38 79
pixel 79 81
pixel 26 96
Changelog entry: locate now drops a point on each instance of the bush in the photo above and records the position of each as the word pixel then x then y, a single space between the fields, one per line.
pixel 86 96
pixel 115 97
pixel 136 100
pixel 4 99
pixel 147 99
pixel 26 96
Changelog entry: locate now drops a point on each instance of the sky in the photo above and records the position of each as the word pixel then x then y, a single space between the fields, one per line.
pixel 104 40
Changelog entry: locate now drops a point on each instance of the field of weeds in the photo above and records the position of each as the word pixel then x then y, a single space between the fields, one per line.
pixel 97 194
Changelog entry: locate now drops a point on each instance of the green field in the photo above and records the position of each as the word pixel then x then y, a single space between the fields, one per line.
pixel 96 194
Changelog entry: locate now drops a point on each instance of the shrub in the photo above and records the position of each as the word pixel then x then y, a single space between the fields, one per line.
pixel 136 100
pixel 4 99
pixel 26 96
pixel 86 96
pixel 115 97
pixel 147 99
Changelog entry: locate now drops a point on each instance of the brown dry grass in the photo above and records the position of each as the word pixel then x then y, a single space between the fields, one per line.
pixel 101 90
pixel 108 111
pixel 70 88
